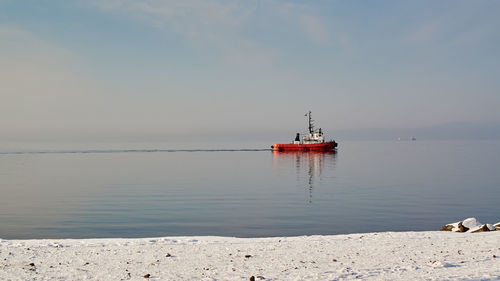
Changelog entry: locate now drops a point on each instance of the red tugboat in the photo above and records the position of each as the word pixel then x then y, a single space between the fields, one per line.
pixel 314 141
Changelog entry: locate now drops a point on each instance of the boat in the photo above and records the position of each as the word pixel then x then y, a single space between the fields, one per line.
pixel 312 141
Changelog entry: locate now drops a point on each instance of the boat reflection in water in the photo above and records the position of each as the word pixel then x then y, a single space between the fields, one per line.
pixel 310 167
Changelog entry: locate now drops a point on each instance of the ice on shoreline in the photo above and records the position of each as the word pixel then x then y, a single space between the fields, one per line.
pixel 388 255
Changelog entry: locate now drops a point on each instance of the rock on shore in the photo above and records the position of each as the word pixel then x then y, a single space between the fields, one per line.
pixel 470 225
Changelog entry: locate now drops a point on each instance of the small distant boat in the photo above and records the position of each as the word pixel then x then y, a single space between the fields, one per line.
pixel 413 138
pixel 313 141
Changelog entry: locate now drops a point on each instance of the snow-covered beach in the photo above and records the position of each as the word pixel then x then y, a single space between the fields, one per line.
pixel 382 256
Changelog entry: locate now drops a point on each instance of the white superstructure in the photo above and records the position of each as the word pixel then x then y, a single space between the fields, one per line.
pixel 313 136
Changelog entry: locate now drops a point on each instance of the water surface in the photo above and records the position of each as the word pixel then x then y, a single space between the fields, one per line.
pixel 364 187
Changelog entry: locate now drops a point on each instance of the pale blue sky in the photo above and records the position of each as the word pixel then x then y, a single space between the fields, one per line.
pixel 197 68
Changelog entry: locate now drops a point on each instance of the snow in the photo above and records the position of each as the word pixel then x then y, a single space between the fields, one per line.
pixel 471 223
pixel 455 226
pixel 433 255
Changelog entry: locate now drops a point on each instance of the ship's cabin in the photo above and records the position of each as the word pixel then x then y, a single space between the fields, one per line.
pixel 315 136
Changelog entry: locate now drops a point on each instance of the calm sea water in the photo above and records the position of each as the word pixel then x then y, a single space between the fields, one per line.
pixel 364 187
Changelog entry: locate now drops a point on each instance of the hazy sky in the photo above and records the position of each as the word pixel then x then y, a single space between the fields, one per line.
pixel 194 68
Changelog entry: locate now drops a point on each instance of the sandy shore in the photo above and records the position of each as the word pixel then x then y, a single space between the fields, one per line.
pixel 387 255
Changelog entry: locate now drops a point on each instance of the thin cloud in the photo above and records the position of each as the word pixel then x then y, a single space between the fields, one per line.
pixel 222 26
pixel 426 32
pixel 185 17
pixel 305 19
pixel 463 23
pixel 31 66
pixel 203 19
pixel 314 29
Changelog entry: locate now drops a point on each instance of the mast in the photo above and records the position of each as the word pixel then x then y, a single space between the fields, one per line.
pixel 311 126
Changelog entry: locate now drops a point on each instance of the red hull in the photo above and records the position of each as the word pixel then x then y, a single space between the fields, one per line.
pixel 323 146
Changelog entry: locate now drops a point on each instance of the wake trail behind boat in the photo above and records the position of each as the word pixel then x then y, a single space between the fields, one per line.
pixel 128 151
